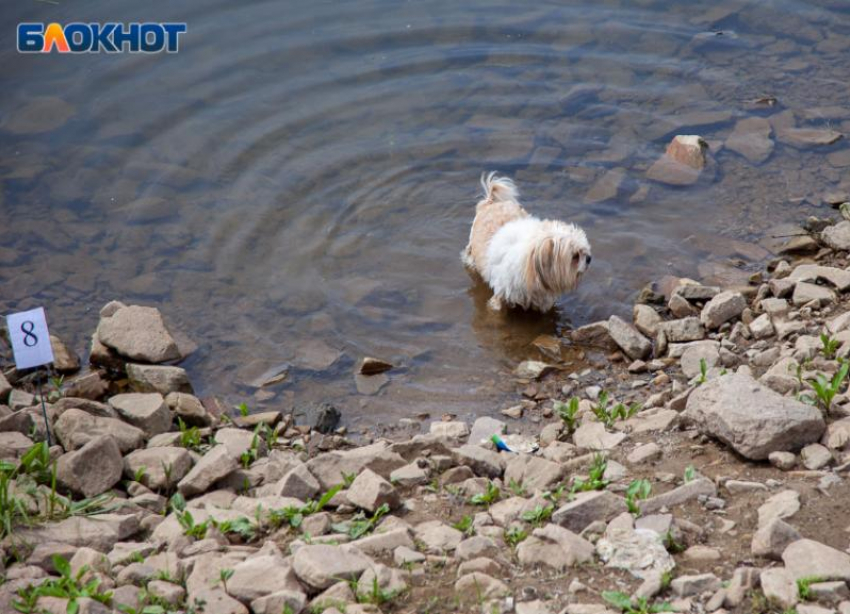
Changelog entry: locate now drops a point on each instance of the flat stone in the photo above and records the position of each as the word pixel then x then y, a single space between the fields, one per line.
pixel 723 408
pixel 594 436
pixel 297 483
pixel 635 345
pixel 806 558
pixel 751 139
pixel 481 586
pixel 475 547
pixel 438 536
pixel 139 333
pixel 809 137
pixel 762 327
pixel 645 453
pixel 638 551
pixel 687 586
pixel 147 411
pixel 533 473
pixel 587 507
pixel 322 565
pixel 693 357
pixel 261 576
pixel 156 378
pixel 161 468
pixel 805 293
pixel 92 469
pixel 679 495
pixel 192 412
pixel 839 278
pixel 596 335
pixel 483 462
pixel 65 360
pixel 554 547
pixel 100 532
pixel 75 428
pixel 683 330
pixel 449 430
pixel 782 460
pixel 331 467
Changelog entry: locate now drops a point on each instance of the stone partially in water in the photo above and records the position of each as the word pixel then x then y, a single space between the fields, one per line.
pixel 682 163
pixel 837 237
pixel 323 418
pixel 138 333
pixel 809 137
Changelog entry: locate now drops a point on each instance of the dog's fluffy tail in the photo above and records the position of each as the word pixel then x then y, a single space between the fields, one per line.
pixel 498 188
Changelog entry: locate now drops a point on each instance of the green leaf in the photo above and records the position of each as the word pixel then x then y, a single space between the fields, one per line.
pixel 62 565
pixel 618 599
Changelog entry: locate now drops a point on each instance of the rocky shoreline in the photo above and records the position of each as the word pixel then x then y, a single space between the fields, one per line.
pixel 699 467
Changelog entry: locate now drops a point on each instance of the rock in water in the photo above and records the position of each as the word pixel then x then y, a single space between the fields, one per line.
pixel 323 418
pixel 838 236
pixel 751 418
pixel 682 163
pixel 751 139
pixel 138 333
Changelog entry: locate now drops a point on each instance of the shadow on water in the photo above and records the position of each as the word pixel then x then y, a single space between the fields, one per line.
pixel 294 186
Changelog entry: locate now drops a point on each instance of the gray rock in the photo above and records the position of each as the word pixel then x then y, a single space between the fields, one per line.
pixel 215 465
pixel 260 576
pixel 147 411
pixel 483 462
pixel 781 505
pixel 696 292
pixel 323 417
pixel 321 566
pixel 369 491
pixel 628 338
pixel 839 278
pixel 782 460
pixel 725 408
pixel 65 360
pixel 481 586
pixel 533 473
pixel 595 334
pixel 638 551
pixel 75 428
pixel 646 319
pixel 484 428
pixel 189 409
pixel 837 237
pixel 451 430
pixel 805 293
pixel 762 327
pixel 475 547
pixel 679 495
pixel 772 538
pixel 779 586
pixel 162 468
pixel 437 536
pixel 554 547
pixel 5 388
pixel 683 330
pixel 92 469
pixel 687 586
pixel 155 378
pixel 588 507
pixel 691 360
pixel 815 456
pixel 644 453
pixel 100 532
pixel 409 475
pixel 138 333
pixel 722 308
pixel 329 467
pixel 806 558
pixel 298 483
pixel 594 436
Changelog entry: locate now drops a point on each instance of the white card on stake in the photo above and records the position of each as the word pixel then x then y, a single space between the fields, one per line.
pixel 30 339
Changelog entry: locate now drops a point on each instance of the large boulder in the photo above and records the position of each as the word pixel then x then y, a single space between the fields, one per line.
pixel 751 418
pixel 158 468
pixel 138 333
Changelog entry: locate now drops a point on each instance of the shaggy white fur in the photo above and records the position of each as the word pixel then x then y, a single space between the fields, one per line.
pixel 528 262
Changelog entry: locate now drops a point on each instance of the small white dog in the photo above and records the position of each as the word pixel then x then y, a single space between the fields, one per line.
pixel 528 262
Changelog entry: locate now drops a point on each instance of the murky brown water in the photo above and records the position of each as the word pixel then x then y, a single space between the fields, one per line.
pixel 294 186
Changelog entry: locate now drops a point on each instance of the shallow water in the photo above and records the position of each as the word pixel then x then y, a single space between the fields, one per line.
pixel 295 185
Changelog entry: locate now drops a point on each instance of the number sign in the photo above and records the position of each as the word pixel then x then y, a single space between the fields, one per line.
pixel 30 339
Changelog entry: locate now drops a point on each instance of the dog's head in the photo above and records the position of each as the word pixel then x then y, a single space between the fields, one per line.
pixel 558 259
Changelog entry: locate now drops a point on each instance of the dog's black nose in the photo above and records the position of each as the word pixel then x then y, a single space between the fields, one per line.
pixel 589 258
